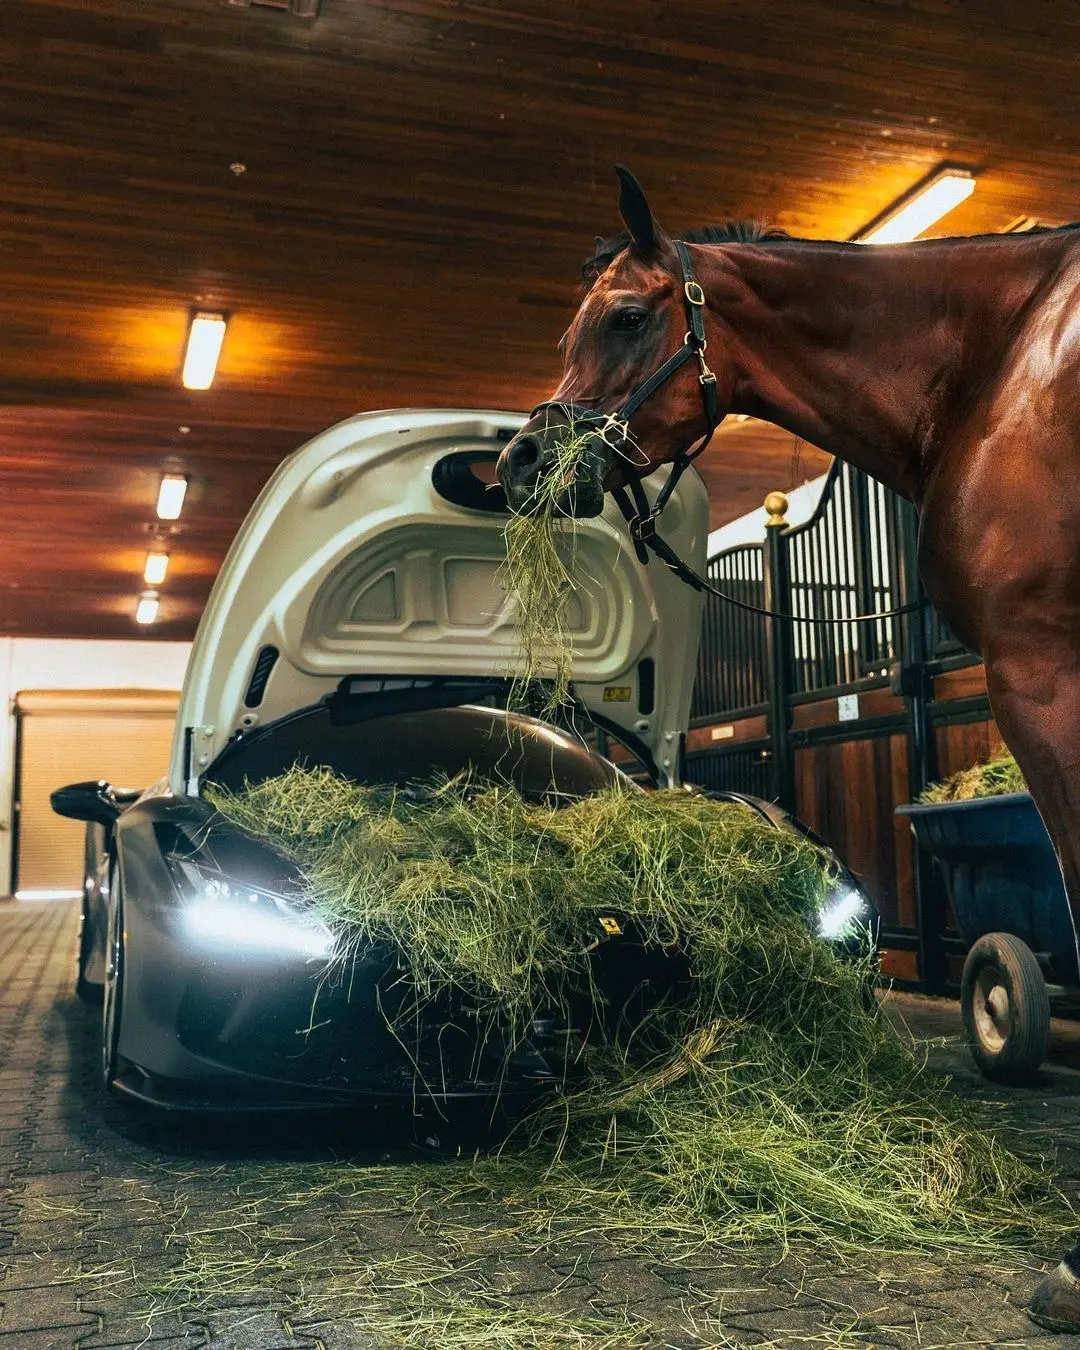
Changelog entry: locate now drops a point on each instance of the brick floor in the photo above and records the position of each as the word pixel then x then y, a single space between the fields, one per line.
pixel 86 1182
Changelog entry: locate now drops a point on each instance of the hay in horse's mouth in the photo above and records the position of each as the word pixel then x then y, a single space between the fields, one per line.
pixel 540 570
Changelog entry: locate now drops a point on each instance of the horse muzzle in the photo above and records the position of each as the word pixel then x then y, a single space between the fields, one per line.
pixel 537 474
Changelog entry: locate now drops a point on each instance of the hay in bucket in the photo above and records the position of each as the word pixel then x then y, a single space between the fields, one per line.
pixel 994 777
pixel 772 1102
pixel 540 572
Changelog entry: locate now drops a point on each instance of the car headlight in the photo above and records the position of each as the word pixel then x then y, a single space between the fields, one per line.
pixel 230 913
pixel 845 913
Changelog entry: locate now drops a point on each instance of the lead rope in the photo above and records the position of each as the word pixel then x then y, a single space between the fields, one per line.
pixel 641 521
pixel 686 573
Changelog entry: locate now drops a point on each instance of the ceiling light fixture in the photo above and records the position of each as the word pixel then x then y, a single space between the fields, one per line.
pixel 917 210
pixel 157 564
pixel 205 336
pixel 147 608
pixel 171 494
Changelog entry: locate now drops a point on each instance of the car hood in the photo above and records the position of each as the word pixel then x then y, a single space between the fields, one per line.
pixel 354 561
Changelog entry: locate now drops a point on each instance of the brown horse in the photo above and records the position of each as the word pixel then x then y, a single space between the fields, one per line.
pixel 947 369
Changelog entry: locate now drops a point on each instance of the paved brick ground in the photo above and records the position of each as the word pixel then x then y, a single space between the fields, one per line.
pixel 84 1181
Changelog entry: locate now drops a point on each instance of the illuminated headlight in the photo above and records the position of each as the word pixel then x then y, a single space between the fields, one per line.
pixel 845 913
pixel 230 913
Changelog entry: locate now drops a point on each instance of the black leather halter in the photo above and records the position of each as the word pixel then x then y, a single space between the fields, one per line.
pixel 613 428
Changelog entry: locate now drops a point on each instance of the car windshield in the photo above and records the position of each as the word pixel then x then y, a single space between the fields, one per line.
pixel 417 746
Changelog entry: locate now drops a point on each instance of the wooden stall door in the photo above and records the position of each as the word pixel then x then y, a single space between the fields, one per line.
pixel 123 736
pixel 847 791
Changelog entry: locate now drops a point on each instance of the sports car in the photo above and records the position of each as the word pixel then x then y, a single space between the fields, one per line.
pixel 358 623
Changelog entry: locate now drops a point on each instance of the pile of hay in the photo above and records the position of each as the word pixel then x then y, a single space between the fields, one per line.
pixel 774 1102
pixel 993 778
pixel 539 572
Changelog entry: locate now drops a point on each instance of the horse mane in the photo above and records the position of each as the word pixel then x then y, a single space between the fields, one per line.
pixel 732 232
pixel 760 232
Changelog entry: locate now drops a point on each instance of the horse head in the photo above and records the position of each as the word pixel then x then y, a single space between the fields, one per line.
pixel 636 322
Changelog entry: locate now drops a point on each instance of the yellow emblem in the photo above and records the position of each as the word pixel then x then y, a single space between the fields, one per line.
pixel 610 926
pixel 617 693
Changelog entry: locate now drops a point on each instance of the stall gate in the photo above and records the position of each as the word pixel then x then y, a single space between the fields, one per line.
pixel 842 722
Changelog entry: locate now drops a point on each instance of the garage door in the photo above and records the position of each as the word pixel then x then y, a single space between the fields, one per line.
pixel 123 736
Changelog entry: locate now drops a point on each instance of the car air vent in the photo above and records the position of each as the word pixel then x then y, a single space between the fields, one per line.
pixel 456 479
pixel 646 686
pixel 264 664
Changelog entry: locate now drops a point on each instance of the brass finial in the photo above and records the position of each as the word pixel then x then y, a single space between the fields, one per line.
pixel 776 503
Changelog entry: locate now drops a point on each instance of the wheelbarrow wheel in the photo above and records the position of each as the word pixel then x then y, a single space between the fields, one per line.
pixel 1006 1008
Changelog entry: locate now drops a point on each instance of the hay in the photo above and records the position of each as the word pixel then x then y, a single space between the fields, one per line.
pixel 771 1103
pixel 996 776
pixel 539 572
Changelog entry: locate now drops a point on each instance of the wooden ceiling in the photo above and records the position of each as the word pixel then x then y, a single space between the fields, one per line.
pixel 393 200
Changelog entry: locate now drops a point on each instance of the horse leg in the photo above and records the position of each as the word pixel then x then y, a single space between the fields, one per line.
pixel 1035 696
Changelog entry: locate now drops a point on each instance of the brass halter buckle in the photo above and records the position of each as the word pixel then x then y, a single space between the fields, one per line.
pixel 694 294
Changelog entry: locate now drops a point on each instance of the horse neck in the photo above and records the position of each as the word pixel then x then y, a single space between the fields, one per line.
pixel 871 354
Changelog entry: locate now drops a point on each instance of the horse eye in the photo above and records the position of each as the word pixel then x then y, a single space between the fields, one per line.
pixel 629 320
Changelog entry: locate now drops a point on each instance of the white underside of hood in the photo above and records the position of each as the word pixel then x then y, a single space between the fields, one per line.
pixel 351 563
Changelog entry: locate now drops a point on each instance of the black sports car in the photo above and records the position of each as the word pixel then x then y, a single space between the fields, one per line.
pixel 354 625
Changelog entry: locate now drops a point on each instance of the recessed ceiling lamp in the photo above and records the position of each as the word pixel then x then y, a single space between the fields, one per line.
pixel 205 336
pixel 916 211
pixel 147 608
pixel 157 564
pixel 171 494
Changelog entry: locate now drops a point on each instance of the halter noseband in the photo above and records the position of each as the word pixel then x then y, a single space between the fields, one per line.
pixel 614 428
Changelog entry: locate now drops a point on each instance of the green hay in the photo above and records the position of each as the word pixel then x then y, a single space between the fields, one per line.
pixel 774 1103
pixel 539 573
pixel 993 778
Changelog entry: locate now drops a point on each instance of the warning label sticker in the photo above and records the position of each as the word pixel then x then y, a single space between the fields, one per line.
pixel 617 693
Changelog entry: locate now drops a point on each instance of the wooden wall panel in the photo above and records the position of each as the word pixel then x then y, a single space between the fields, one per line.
pixel 420 180
pixel 847 791
pixel 965 743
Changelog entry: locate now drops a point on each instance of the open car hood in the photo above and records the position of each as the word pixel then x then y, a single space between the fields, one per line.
pixel 374 551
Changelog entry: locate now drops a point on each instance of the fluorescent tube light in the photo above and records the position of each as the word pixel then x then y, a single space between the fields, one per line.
pixel 924 209
pixel 147 608
pixel 170 500
pixel 47 895
pixel 157 564
pixel 205 336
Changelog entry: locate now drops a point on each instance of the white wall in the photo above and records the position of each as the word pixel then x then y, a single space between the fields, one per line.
pixel 750 529
pixel 72 663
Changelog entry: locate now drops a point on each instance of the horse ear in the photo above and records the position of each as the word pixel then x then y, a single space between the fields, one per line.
pixel 635 212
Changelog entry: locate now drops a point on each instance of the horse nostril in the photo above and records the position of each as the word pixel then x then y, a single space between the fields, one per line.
pixel 524 456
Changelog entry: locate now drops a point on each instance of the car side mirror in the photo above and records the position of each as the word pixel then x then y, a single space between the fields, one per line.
pixel 90 801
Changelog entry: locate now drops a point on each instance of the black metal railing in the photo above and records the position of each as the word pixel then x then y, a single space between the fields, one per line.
pixel 856 555
pixel 849 558
pixel 731 674
pixel 743 767
pixel 843 562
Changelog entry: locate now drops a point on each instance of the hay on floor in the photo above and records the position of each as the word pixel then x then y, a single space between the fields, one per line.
pixel 774 1102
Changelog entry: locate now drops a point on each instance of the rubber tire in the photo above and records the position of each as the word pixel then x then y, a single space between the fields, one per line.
pixel 112 1002
pixel 1013 964
pixel 86 989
